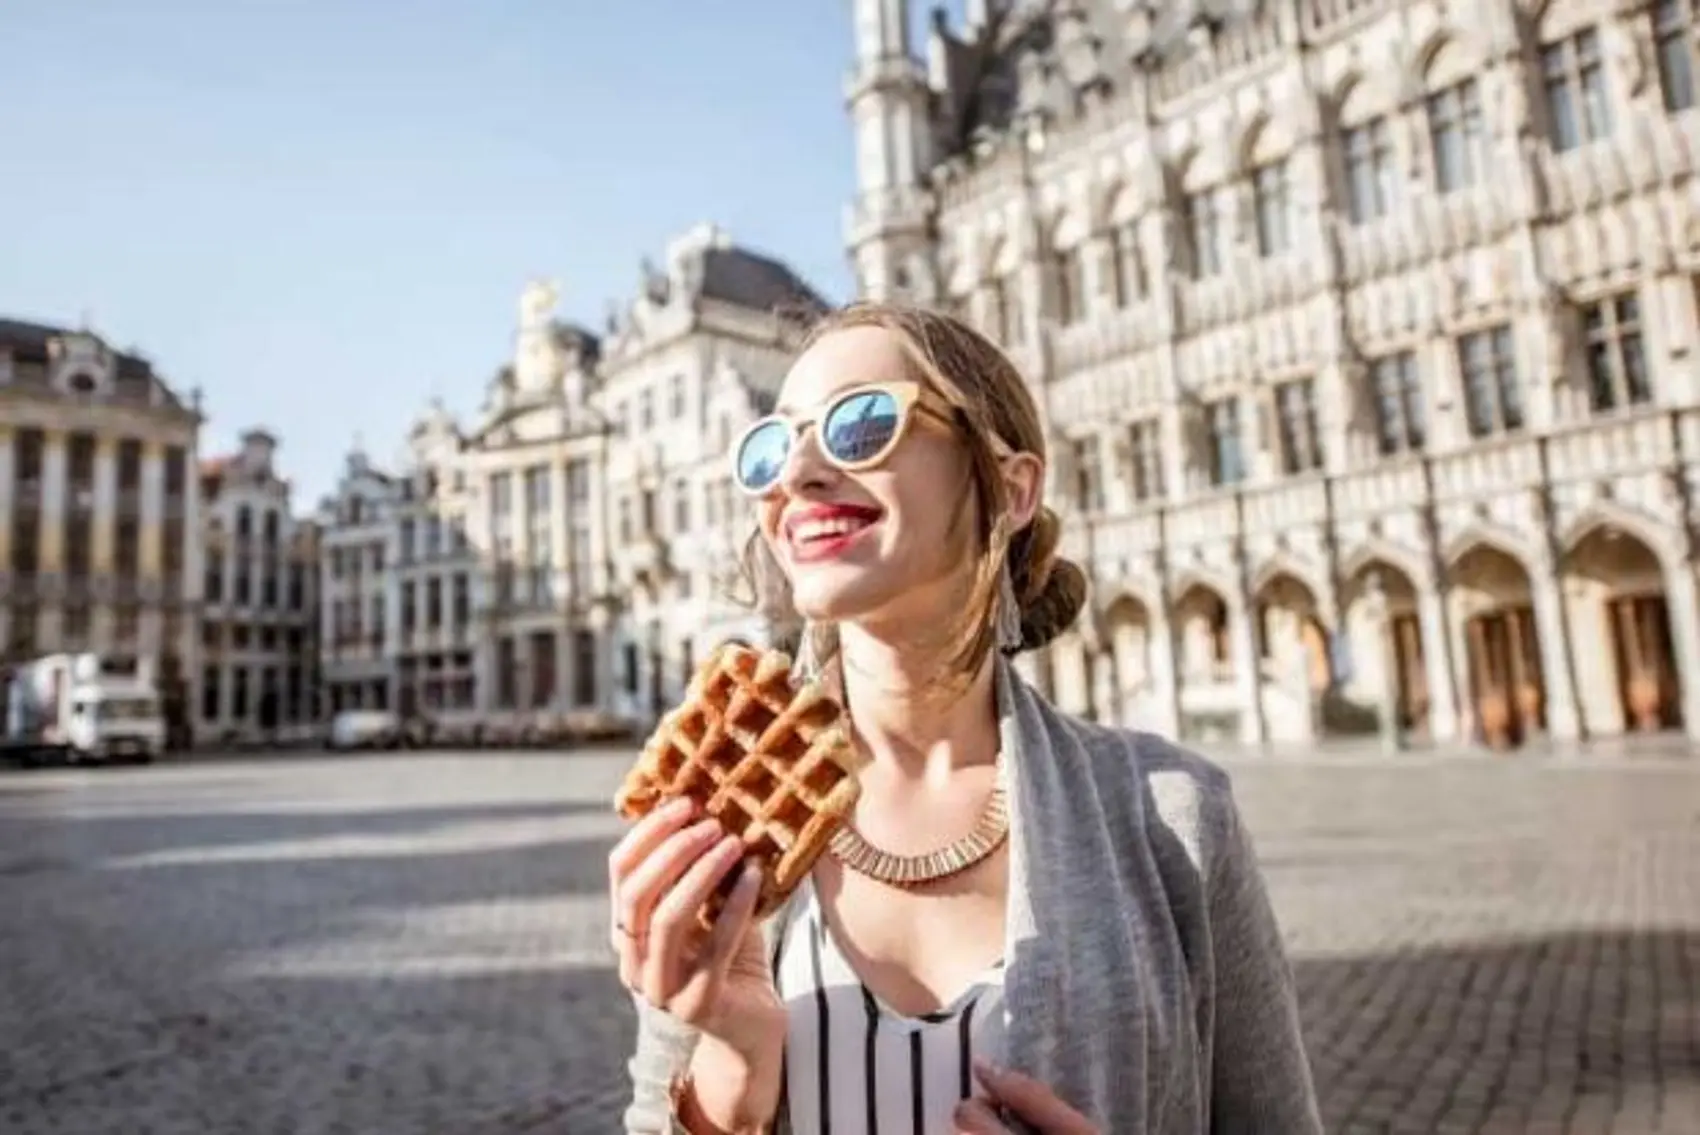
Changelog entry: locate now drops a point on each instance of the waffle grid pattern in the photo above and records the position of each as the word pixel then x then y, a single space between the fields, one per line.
pixel 770 763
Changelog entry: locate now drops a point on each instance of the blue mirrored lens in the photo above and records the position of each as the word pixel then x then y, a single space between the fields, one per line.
pixel 761 458
pixel 861 427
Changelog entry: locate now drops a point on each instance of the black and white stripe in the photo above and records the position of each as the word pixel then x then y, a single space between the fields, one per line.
pixel 855 1066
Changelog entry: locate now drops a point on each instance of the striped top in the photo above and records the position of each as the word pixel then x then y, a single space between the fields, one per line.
pixel 858 1067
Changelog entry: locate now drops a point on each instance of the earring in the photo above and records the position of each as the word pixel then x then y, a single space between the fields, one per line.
pixel 806 666
pixel 1008 612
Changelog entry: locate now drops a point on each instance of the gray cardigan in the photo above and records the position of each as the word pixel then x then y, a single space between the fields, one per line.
pixel 1145 980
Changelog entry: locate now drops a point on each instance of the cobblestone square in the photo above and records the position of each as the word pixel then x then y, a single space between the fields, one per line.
pixel 415 944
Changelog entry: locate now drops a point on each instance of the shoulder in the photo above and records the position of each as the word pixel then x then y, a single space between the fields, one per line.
pixel 1185 800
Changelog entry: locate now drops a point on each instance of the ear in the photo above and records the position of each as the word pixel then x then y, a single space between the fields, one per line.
pixel 1024 485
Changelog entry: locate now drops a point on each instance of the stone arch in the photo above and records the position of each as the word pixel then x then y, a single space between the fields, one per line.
pixel 1294 630
pixel 1388 644
pixel 1285 565
pixel 1130 652
pixel 1491 575
pixel 1616 584
pixel 1357 99
pixel 1197 168
pixel 1490 537
pixel 1263 140
pixel 1610 515
pixel 1410 563
pixel 1203 615
pixel 1444 58
pixel 1066 227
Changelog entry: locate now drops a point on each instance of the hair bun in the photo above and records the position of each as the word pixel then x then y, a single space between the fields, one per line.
pixel 1051 589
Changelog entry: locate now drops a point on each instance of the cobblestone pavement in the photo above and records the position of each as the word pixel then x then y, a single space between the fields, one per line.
pixel 381 945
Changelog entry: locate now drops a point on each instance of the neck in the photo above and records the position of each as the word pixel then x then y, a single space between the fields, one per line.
pixel 906 716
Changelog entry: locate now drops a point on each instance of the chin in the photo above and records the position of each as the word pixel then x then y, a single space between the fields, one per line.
pixel 835 595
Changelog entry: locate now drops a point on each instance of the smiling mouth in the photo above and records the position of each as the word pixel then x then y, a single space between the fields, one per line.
pixel 820 531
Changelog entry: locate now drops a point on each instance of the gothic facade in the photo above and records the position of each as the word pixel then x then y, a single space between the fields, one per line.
pixel 1366 335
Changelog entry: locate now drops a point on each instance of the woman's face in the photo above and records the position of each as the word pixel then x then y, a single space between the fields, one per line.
pixel 881 545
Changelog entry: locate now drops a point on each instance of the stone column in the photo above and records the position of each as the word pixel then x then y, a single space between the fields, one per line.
pixel 8 498
pixel 566 666
pixel 1442 695
pixel 105 503
pixel 1682 582
pixel 1166 699
pixel 1248 681
pixel 153 510
pixel 1545 591
pixel 50 554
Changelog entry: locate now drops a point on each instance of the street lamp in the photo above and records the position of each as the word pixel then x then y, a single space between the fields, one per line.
pixel 1387 704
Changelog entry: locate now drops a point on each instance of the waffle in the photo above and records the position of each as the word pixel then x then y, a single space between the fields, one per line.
pixel 773 764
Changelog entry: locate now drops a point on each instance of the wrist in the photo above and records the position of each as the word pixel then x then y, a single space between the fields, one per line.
pixel 733 1091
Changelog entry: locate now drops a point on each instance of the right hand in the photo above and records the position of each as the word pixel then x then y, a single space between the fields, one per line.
pixel 718 981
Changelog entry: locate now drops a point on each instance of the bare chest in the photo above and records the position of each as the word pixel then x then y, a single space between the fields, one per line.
pixel 917 950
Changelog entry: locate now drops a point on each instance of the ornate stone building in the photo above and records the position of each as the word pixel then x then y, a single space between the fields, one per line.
pixel 1366 334
pixel 570 551
pixel 99 525
pixel 260 610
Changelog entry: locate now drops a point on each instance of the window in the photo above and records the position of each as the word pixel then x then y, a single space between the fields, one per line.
pixel 1493 403
pixel 79 544
pixel 1088 482
pixel 1272 196
pixel 1617 361
pixel 405 538
pixel 1574 76
pixel 129 470
pixel 1068 275
pixel 1206 224
pixel 1399 420
pixel 1003 309
pixel 537 492
pixel 1296 426
pixel 502 495
pixel 1227 452
pixel 79 468
pixel 1145 460
pixel 1127 267
pixel 209 693
pixel 1673 39
pixel 646 410
pixel 1370 171
pixel 176 470
pixel 434 601
pixel 1456 133
pixel 681 506
pixel 127 547
pixel 409 596
pixel 676 397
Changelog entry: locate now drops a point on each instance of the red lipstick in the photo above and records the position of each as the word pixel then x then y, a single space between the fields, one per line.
pixel 825 531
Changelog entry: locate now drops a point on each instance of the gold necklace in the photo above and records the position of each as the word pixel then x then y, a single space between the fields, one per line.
pixel 990 829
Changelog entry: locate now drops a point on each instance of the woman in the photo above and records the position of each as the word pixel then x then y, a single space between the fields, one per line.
pixel 1034 923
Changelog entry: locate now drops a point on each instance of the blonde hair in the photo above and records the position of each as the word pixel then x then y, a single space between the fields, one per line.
pixel 990 401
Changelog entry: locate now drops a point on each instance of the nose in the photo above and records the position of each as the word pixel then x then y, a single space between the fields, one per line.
pixel 806 467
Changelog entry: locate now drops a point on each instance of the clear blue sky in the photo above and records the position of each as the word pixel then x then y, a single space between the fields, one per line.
pixel 321 211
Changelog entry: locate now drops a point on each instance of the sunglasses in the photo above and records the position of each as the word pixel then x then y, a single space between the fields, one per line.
pixel 857 430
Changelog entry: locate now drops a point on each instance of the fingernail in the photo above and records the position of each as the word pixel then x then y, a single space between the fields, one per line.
pixel 986 1069
pixel 750 876
pixel 678 806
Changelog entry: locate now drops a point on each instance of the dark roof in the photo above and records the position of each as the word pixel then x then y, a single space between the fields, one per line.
pixel 27 342
pixel 746 279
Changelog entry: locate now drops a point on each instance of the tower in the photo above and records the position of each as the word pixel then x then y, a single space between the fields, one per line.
pixel 886 227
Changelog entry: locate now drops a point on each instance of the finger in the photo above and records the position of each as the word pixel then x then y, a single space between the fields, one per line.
pixel 973 1117
pixel 734 920
pixel 655 876
pixel 643 838
pixel 673 924
pixel 1032 1101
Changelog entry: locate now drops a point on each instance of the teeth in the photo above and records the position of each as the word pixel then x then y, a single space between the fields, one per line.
pixel 822 529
